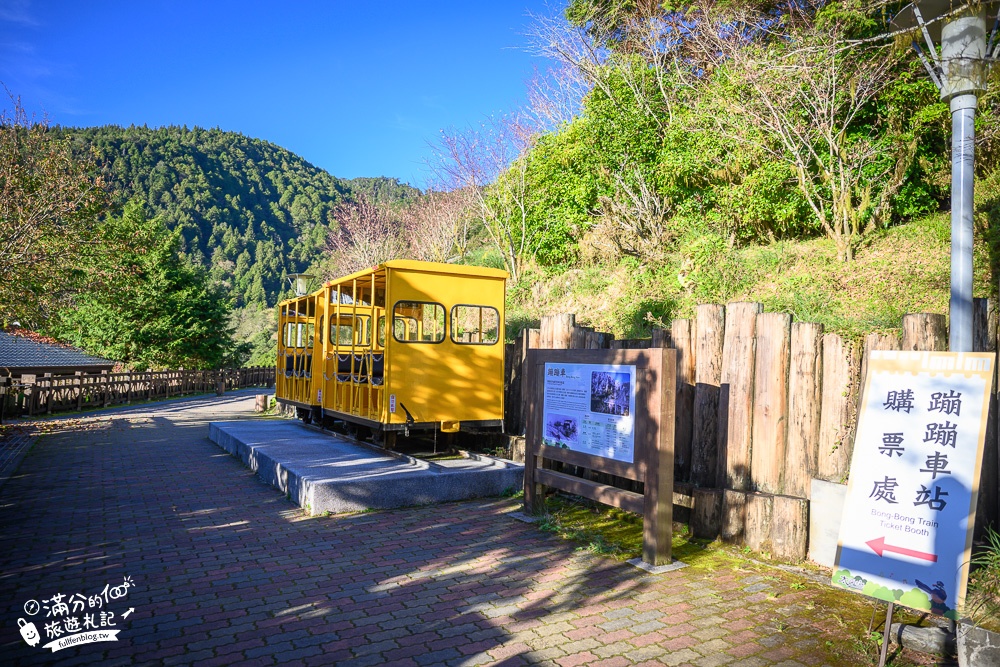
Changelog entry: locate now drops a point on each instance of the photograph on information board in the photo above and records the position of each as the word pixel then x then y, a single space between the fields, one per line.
pixel 589 408
pixel 911 498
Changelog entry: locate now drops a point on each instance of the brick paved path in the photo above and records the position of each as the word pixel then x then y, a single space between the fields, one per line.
pixel 226 570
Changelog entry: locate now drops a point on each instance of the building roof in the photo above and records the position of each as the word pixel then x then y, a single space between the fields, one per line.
pixel 27 352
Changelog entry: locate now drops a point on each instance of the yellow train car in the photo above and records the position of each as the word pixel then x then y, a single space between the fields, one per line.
pixel 402 346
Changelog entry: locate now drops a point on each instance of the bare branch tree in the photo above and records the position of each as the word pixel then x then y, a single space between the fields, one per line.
pixel 798 96
pixel 577 53
pixel 437 225
pixel 491 164
pixel 635 220
pixel 368 234
pixel 556 96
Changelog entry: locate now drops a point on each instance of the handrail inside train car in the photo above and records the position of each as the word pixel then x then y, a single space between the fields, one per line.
pixel 404 345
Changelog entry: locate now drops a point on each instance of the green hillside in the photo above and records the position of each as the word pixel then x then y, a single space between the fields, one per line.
pixel 904 269
pixel 249 211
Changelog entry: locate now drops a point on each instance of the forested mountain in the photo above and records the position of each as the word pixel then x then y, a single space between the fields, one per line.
pixel 249 211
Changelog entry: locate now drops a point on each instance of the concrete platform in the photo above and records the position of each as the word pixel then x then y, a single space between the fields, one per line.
pixel 326 473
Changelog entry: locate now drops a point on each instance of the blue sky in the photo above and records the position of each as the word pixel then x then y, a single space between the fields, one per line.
pixel 357 88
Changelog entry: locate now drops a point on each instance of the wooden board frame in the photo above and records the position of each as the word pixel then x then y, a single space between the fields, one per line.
pixel 656 383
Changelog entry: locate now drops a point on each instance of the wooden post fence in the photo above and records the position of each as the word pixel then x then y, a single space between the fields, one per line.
pixel 762 406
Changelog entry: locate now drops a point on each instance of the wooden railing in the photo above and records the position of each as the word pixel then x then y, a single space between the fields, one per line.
pixel 61 393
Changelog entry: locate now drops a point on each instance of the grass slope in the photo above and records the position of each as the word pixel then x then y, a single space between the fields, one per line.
pixel 901 270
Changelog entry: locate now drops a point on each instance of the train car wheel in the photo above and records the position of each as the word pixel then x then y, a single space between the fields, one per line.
pixel 384 439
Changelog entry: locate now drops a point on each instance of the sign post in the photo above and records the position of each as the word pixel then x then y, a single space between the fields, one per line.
pixel 911 501
pixel 610 411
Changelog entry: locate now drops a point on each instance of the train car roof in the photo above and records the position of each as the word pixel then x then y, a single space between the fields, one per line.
pixel 411 265
pixel 427 267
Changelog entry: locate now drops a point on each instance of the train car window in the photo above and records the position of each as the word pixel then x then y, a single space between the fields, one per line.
pixel 381 331
pixel 320 330
pixel 342 334
pixel 418 322
pixel 475 325
pixel 309 334
pixel 300 335
pixel 404 328
pixel 290 334
pixel 364 329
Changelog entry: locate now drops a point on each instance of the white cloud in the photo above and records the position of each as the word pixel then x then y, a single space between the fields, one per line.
pixel 17 11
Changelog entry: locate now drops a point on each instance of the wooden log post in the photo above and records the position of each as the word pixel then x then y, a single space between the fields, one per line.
pixel 838 415
pixel 770 400
pixel 578 338
pixel 660 338
pixel 876 341
pixel 562 331
pixel 683 337
pixel 760 518
pixel 711 322
pixel 984 339
pixel 805 397
pixel 534 339
pixel 598 340
pixel 790 528
pixel 106 385
pixel 736 395
pixel 706 515
pixel 734 515
pixel 51 394
pixel 925 332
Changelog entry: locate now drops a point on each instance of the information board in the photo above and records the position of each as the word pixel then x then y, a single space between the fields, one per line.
pixel 914 481
pixel 608 412
pixel 590 408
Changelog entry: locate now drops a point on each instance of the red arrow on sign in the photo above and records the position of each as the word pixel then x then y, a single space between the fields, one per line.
pixel 879 545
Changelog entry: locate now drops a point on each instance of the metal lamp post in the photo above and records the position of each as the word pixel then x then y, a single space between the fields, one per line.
pixel 959 72
pixel 300 281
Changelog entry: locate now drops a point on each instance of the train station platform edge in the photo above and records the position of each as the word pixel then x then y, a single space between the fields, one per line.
pixel 323 473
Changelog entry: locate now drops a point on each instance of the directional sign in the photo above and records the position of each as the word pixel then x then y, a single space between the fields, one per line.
pixel 911 499
pixel 879 546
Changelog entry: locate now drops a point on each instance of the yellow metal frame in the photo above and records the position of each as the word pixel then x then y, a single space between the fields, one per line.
pixel 357 369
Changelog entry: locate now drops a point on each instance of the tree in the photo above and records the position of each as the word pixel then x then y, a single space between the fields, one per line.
pixel 798 91
pixel 49 201
pixel 147 307
pixel 438 225
pixel 491 163
pixel 368 234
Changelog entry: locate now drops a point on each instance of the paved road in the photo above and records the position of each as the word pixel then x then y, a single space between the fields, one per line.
pixel 221 569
